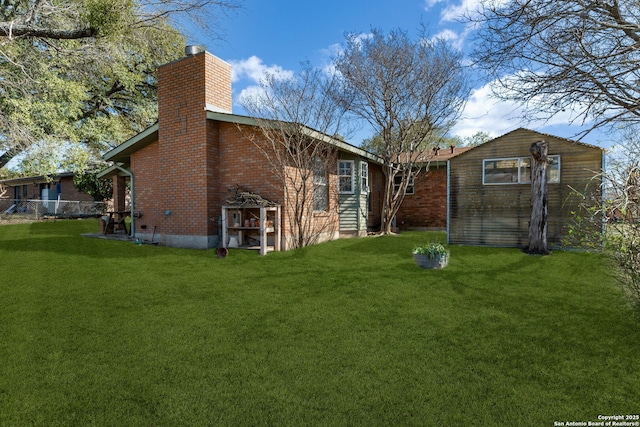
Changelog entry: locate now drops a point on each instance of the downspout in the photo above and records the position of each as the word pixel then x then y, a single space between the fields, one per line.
pixel 133 217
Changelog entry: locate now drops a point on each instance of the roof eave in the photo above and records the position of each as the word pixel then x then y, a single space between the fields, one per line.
pixel 250 121
pixel 113 170
pixel 123 151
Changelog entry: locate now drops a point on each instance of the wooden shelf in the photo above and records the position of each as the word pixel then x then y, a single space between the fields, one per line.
pixel 246 236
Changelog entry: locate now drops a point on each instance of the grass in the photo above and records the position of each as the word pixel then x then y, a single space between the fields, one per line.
pixel 351 332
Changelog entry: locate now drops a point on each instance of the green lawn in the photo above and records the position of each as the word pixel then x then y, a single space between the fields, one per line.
pixel 351 332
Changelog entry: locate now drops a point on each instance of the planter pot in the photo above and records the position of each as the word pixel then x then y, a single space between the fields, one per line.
pixel 439 261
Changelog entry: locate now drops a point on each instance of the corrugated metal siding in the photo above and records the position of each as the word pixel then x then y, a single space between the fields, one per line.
pixel 498 215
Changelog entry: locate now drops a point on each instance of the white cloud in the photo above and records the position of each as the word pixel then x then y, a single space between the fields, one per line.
pixel 250 94
pixel 255 70
pixel 456 40
pixel 453 12
pixel 363 36
pixel 332 51
pixel 448 35
pixel 485 113
pixel 430 3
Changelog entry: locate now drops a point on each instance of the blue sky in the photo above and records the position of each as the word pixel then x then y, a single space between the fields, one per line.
pixel 278 35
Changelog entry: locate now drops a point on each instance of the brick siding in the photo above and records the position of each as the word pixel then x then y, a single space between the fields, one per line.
pixel 427 208
pixel 183 179
pixel 33 189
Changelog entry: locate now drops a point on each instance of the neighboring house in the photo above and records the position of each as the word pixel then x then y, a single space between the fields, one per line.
pixel 182 168
pixel 489 192
pixel 50 187
pixel 51 194
pixel 425 204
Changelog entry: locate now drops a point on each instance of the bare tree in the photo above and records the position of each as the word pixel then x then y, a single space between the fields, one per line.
pixel 614 197
pixel 74 19
pixel 297 121
pixel 411 93
pixel 551 56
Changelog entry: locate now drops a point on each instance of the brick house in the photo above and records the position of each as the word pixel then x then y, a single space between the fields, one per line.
pixel 43 187
pixel 43 190
pixel 425 205
pixel 181 168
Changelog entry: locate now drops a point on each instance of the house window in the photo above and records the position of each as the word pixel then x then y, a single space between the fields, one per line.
pixel 364 177
pixel 397 181
pixel 320 193
pixel 516 170
pixel 553 169
pixel 345 176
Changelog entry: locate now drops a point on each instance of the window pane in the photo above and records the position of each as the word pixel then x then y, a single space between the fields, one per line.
pixel 553 169
pixel 320 198
pixel 344 184
pixel 364 174
pixel 344 168
pixel 320 194
pixel 345 177
pixel 525 170
pixel 319 171
pixel 501 171
pixel 397 181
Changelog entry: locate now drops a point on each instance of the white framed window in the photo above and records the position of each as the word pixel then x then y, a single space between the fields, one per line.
pixel 516 170
pixel 364 178
pixel 320 189
pixel 397 181
pixel 345 176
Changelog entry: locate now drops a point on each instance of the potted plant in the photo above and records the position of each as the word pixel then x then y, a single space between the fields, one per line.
pixel 432 255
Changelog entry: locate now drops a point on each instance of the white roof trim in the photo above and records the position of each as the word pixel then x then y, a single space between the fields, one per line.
pixel 215 109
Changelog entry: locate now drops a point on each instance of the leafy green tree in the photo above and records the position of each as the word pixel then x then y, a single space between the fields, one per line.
pixel 83 71
pixel 476 139
pixel 99 188
pixel 49 158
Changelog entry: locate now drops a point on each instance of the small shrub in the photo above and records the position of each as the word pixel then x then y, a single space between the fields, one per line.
pixel 431 250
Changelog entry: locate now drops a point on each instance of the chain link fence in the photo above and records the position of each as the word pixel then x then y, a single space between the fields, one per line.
pixel 12 210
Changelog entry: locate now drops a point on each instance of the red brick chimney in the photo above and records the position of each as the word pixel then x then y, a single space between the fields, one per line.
pixel 193 83
pixel 187 88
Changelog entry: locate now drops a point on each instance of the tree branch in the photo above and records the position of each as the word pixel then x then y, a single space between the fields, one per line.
pixel 10 29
